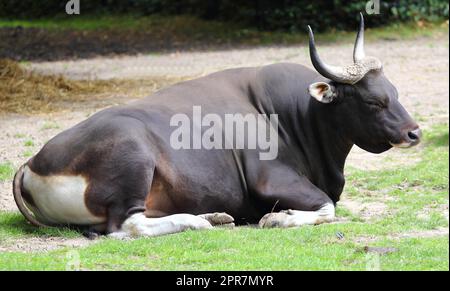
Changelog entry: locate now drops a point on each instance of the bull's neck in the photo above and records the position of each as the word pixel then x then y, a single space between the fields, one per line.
pixel 316 144
pixel 331 145
pixel 320 143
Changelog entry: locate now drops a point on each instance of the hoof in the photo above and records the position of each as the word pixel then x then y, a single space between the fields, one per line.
pixel 218 218
pixel 227 225
pixel 276 219
pixel 90 235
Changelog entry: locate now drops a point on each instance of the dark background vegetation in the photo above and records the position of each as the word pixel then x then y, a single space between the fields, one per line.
pixel 284 15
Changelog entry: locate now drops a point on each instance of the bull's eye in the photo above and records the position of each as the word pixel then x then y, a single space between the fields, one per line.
pixel 375 105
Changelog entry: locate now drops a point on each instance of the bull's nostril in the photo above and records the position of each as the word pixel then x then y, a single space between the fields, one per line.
pixel 415 135
pixel 412 135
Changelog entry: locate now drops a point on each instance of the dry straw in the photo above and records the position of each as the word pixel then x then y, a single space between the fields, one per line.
pixel 26 92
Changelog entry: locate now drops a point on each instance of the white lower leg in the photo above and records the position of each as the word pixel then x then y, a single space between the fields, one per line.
pixel 139 225
pixel 293 218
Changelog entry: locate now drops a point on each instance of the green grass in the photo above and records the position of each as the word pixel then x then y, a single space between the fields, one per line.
pixel 50 125
pixel 19 135
pixel 219 32
pixel 6 171
pixel 412 189
pixel 308 248
pixel 28 143
pixel 12 225
pixel 87 22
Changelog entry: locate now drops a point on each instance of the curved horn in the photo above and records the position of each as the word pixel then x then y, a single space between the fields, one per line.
pixel 351 73
pixel 358 51
pixel 331 72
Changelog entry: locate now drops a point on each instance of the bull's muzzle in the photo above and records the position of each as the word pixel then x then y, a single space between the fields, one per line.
pixel 411 139
pixel 415 136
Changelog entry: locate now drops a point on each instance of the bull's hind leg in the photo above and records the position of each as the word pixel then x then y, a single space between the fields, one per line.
pixel 119 186
pixel 139 225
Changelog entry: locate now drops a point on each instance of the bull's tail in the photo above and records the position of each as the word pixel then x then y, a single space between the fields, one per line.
pixel 17 191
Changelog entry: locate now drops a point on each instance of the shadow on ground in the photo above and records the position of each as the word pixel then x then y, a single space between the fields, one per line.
pixel 14 224
pixel 37 44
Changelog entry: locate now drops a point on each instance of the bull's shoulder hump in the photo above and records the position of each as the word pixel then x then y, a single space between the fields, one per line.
pixel 291 68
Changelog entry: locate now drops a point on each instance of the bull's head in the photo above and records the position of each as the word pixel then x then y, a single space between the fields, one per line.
pixel 367 101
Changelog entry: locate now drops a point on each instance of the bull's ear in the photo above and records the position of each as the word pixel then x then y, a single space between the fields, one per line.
pixel 322 92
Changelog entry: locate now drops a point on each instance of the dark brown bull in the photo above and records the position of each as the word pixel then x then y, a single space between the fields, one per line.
pixel 118 173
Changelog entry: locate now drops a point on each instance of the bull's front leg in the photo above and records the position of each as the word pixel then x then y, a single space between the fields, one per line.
pixel 219 219
pixel 296 218
pixel 292 200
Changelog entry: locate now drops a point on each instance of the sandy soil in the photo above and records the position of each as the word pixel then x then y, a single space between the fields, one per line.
pixel 38 244
pixel 365 211
pixel 441 231
pixel 418 68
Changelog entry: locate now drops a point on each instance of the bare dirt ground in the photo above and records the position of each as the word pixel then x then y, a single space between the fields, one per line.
pixel 441 231
pixel 39 244
pixel 419 69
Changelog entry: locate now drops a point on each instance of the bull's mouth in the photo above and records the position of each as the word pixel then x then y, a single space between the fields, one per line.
pixel 404 145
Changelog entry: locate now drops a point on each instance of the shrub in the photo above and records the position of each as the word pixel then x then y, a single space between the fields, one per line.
pixel 287 15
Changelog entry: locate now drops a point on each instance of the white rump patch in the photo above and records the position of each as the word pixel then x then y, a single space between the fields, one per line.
pixel 295 218
pixel 59 199
pixel 139 225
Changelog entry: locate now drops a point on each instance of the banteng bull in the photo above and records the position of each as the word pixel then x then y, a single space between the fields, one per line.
pixel 117 172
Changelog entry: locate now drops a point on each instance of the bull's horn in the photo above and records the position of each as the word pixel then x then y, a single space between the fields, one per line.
pixel 334 73
pixel 358 51
pixel 349 74
pixel 331 72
